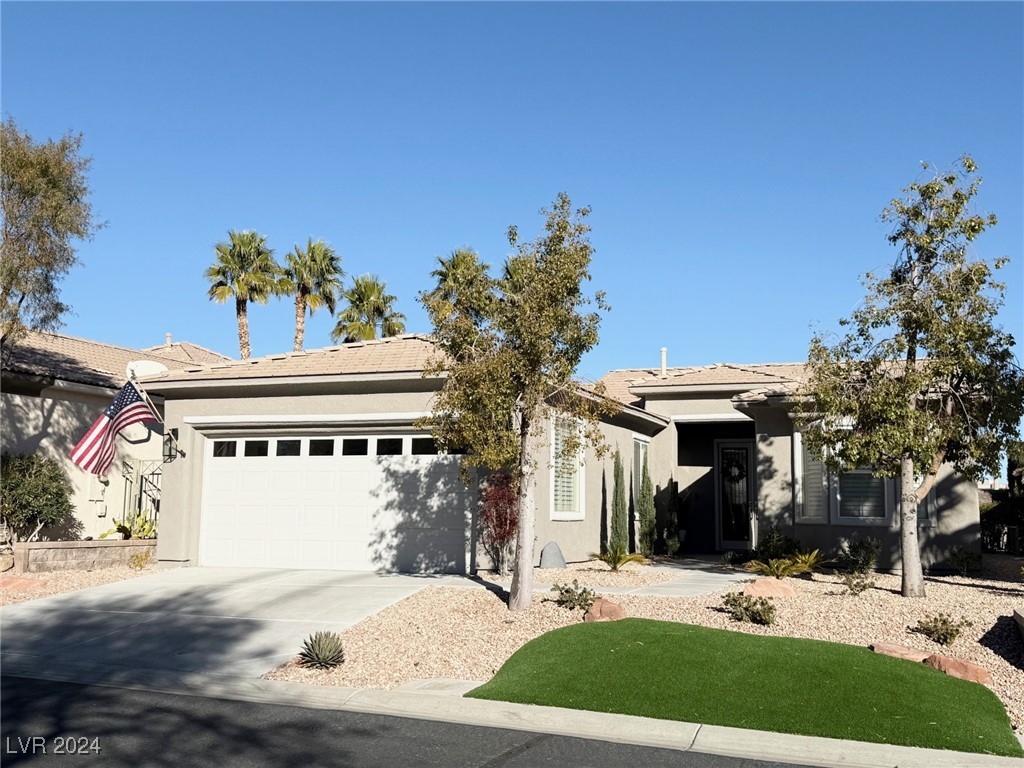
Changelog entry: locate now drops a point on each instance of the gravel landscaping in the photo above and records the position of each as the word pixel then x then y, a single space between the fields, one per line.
pixel 594 573
pixel 15 588
pixel 468 633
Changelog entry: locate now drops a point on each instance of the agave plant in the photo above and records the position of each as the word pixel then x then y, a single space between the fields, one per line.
pixel 809 562
pixel 618 556
pixel 322 650
pixel 780 568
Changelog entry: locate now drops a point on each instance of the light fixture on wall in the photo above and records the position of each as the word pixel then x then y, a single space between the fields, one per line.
pixel 171 449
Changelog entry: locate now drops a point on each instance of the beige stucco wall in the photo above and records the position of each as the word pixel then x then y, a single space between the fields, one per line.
pixel 52 424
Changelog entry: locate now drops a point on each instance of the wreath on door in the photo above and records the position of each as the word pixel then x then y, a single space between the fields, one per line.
pixel 734 471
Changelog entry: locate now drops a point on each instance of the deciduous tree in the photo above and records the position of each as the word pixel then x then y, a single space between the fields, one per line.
pixel 46 208
pixel 510 348
pixel 923 375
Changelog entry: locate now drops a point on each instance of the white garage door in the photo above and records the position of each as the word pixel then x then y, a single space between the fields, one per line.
pixel 352 502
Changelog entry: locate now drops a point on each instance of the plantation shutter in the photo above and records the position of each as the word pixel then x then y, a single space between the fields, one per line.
pixel 566 482
pixel 639 459
pixel 814 483
pixel 861 495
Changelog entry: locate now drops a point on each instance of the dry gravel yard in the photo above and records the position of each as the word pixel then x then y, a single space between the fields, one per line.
pixel 468 633
pixel 594 573
pixel 17 590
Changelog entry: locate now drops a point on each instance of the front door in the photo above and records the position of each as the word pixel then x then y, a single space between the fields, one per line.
pixel 734 493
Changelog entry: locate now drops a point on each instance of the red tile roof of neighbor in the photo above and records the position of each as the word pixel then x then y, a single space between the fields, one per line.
pixel 83 361
pixel 408 353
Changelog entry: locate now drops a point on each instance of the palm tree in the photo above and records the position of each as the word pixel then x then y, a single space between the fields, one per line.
pixel 245 270
pixel 370 308
pixel 462 282
pixel 314 274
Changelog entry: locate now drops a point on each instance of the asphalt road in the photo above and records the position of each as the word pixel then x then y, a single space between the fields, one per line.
pixel 43 721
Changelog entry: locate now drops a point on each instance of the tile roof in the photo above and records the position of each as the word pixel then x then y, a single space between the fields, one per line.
pixel 187 352
pixel 756 375
pixel 396 354
pixel 79 360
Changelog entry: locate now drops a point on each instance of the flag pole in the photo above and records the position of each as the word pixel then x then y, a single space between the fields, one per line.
pixel 152 407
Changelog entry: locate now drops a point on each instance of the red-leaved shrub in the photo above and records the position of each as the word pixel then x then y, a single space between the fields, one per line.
pixel 499 517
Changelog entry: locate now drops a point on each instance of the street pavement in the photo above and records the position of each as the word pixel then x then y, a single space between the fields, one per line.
pixel 140 729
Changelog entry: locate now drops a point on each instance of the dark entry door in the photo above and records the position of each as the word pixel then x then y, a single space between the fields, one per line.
pixel 734 493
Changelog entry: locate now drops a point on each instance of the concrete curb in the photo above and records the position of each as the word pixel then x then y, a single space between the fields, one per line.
pixel 447 706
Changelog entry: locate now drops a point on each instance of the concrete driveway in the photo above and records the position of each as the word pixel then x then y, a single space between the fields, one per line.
pixel 224 621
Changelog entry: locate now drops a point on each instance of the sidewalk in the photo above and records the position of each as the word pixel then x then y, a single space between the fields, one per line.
pixel 442 700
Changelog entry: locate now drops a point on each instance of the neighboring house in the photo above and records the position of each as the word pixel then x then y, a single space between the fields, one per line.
pixel 312 460
pixel 54 387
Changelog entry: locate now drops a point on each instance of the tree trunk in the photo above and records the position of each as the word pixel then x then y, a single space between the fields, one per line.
pixel 521 594
pixel 910 549
pixel 241 313
pixel 300 319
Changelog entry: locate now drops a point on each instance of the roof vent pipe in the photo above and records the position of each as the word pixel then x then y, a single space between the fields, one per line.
pixel 168 342
pixel 664 362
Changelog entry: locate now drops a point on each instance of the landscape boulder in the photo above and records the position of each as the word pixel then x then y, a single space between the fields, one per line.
pixel 1018 616
pixel 900 651
pixel 965 670
pixel 769 588
pixel 605 610
pixel 551 556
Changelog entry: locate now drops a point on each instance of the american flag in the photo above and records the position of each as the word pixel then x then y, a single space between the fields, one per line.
pixel 95 452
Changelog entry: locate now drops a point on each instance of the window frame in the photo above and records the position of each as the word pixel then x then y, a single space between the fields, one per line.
pixel 581 511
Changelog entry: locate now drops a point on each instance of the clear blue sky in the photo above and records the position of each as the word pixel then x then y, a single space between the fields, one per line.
pixel 736 156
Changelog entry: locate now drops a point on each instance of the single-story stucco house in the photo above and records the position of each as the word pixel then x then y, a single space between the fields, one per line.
pixel 54 387
pixel 312 460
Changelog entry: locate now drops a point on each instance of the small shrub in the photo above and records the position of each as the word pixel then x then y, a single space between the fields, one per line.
pixel 36 494
pixel 499 518
pixel 774 545
pixel 857 583
pixel 964 562
pixel 780 568
pixel 322 650
pixel 941 628
pixel 860 555
pixel 757 610
pixel 646 512
pixel 139 560
pixel 809 562
pixel 141 526
pixel 617 556
pixel 573 596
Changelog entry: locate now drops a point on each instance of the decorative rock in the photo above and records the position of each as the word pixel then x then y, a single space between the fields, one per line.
pixel 551 556
pixel 1018 616
pixel 900 651
pixel 965 670
pixel 769 588
pixel 10 583
pixel 605 610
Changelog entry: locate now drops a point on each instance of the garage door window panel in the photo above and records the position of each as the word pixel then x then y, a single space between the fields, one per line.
pixel 254 448
pixel 321 447
pixel 389 446
pixel 355 447
pixel 289 447
pixel 225 448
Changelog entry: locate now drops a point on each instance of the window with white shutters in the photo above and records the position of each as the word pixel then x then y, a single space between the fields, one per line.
pixel 566 475
pixel 862 496
pixel 813 504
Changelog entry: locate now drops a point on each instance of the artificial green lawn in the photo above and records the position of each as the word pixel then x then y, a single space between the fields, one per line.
pixel 695 674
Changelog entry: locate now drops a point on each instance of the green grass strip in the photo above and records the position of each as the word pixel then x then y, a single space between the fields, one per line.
pixel 695 674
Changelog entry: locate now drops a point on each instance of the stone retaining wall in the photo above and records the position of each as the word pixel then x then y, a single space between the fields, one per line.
pixel 39 556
